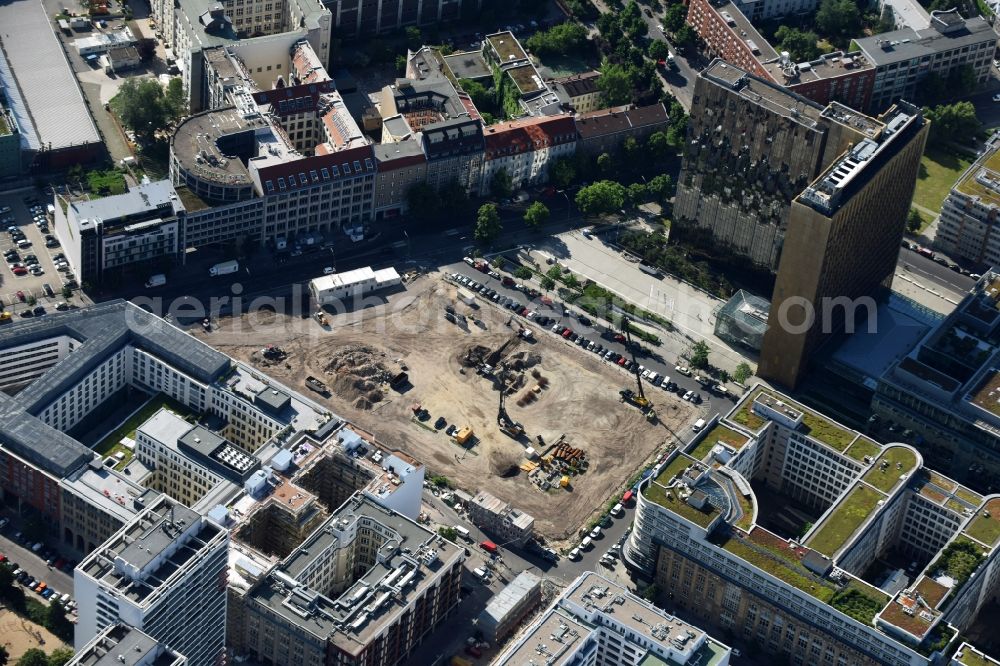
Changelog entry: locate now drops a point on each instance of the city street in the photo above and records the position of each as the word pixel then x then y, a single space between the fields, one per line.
pixel 34 565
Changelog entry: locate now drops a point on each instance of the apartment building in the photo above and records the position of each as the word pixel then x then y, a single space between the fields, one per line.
pixel 967 226
pixel 399 166
pixel 728 34
pixel 842 243
pixel 509 606
pixel 822 579
pixel 366 587
pixel 902 58
pixel 354 18
pixel 122 644
pixel 526 149
pixel 579 92
pixel 605 130
pixel 598 621
pixel 96 501
pixel 944 391
pixel 500 519
pixel 163 573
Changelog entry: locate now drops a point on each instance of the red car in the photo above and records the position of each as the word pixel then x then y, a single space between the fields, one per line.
pixel 567 332
pixel 20 296
pixel 619 337
pixel 507 282
pixel 621 361
pixel 20 271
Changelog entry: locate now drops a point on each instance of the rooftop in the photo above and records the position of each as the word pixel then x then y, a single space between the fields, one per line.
pixel 895 465
pixel 527 79
pixel 844 519
pixel 982 179
pixel 121 644
pixel 143 198
pixel 827 66
pixel 769 95
pixel 987 395
pixel 196 144
pixel 985 526
pixel 967 655
pixel 468 65
pixel 719 434
pixel 506 47
pixel 591 601
pixel 44 94
pixel 676 495
pixel 908 44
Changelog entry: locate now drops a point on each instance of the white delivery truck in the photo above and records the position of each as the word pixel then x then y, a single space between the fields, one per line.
pixel 157 280
pixel 698 425
pixel 225 268
pixel 462 532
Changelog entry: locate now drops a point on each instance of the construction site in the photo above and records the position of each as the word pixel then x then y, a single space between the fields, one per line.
pixel 479 397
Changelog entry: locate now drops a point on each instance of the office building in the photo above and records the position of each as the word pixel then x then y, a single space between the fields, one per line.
pixel 367 587
pixel 743 320
pixel 821 576
pixel 509 606
pixel 121 644
pixel 163 573
pixel 842 243
pixel 525 150
pixel 136 231
pixel 399 166
pixel 598 621
pixel 752 148
pixel 10 143
pixel 498 518
pixel 967 228
pixel 728 34
pixel 503 51
pixel 903 58
pixel 70 370
pixel 942 394
pixel 354 18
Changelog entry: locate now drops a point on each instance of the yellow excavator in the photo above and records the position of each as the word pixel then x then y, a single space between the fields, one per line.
pixel 637 398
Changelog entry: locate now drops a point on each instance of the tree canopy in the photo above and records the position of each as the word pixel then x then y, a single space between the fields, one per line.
pixel 800 45
pixel 838 20
pixel 488 226
pixel 605 196
pixel 952 122
pixel 614 84
pixel 562 39
pixel 144 107
pixel 536 215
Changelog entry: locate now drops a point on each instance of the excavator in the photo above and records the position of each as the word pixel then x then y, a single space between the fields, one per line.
pixel 637 398
pixel 508 426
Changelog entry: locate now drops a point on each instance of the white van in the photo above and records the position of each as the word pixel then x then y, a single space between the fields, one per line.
pixel 574 554
pixel 462 532
pixel 480 573
pixel 653 376
pixel 616 510
pixel 586 543
pixel 698 425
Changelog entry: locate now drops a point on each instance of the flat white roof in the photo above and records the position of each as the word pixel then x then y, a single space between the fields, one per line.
pixel 340 280
pixel 44 77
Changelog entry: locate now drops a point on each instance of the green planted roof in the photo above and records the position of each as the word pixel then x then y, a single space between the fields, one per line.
pixel 985 527
pixel 894 462
pixel 845 518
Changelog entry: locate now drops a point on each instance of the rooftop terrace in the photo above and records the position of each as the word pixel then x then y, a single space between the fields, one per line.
pixel 720 434
pixel 667 492
pixel 527 79
pixel 844 519
pixel 887 472
pixel 970 656
pixel 982 179
pixel 987 395
pixel 985 527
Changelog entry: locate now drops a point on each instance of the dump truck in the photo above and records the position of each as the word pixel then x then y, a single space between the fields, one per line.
pixel 224 268
pixel 316 385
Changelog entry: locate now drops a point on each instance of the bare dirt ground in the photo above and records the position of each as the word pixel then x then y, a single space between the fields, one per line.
pixel 19 635
pixel 580 401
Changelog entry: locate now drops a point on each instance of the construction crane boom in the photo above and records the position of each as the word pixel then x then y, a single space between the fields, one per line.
pixel 635 366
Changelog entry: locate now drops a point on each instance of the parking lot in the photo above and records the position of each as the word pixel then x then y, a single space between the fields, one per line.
pixel 18 291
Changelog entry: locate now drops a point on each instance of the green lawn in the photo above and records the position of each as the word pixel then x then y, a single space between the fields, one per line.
pixel 825 431
pixel 779 566
pixel 111 444
pixel 841 524
pixel 939 169
pixel 986 528
pixel 861 448
pixel 746 417
pixel 901 461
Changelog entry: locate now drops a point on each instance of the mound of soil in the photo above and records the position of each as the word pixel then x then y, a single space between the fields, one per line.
pixel 358 373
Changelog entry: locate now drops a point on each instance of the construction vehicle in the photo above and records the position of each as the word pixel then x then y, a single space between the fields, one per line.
pixel 508 426
pixel 315 384
pixel 321 318
pixel 639 398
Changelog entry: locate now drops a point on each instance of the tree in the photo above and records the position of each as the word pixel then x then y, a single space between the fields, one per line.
pixel 605 196
pixel 140 106
pixel 661 187
pixel 562 39
pixel 605 164
pixel 658 50
pixel 175 104
pixel 801 45
pixel 60 656
pixel 838 19
pixel 742 373
pixel 961 80
pixel 952 122
pixel 423 200
pixel 658 145
pixel 563 172
pixel 488 225
pixel 56 621
pixel 685 36
pixel 481 96
pixel 913 221
pixel 548 283
pixel 554 272
pixel 571 281
pixel 635 194
pixel 33 657
pixel 448 533
pixel 401 65
pixel 523 273
pixel 536 215
pixel 500 184
pixel 630 147
pixel 614 84
pixel 675 16
pixel 699 354
pixel 414 39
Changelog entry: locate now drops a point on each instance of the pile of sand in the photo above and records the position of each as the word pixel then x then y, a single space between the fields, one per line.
pixel 358 373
